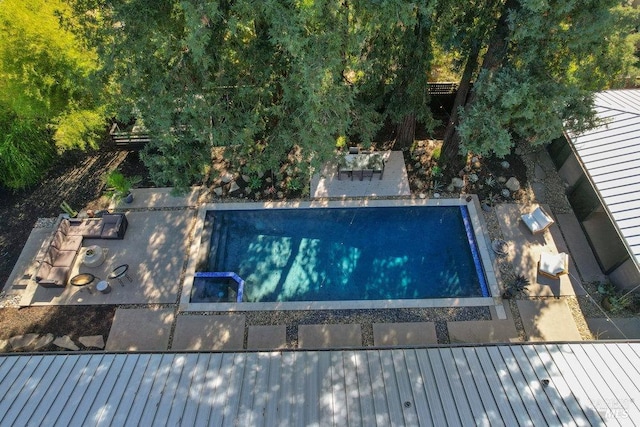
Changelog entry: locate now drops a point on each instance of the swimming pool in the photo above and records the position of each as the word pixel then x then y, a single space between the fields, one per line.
pixel 347 253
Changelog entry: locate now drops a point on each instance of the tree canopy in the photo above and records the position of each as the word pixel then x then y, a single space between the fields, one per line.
pixel 543 63
pixel 47 97
pixel 275 79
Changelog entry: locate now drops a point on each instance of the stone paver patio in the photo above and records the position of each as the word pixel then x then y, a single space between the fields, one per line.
pixel 140 329
pixel 209 333
pixel 154 247
pixel 525 249
pixel 548 319
pixel 267 337
pixel 329 336
pixel 394 181
pixel 404 334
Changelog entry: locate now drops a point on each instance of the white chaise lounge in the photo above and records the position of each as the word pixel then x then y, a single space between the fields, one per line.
pixel 537 221
pixel 553 265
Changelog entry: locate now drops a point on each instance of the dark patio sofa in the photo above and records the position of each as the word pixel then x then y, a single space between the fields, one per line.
pixel 59 256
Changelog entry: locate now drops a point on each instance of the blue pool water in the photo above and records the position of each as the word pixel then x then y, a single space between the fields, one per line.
pixel 333 254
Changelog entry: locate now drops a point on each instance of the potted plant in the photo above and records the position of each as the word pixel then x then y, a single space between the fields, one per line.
pixel 119 186
pixel 519 284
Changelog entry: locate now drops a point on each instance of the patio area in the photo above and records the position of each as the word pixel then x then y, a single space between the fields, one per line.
pixel 156 248
pixel 394 182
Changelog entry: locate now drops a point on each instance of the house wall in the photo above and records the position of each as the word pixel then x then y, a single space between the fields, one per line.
pixel 626 276
pixel 608 247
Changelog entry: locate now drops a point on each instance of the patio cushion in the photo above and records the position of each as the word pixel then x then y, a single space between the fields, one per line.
pixel 553 264
pixel 66 243
pixel 537 221
pixel 115 225
pixel 43 271
pixel 57 276
pixel 63 258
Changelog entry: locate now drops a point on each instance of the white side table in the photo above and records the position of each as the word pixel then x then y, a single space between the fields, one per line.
pixel 93 256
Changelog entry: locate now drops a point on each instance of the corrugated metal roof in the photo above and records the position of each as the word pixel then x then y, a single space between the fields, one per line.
pixel 611 158
pixel 546 384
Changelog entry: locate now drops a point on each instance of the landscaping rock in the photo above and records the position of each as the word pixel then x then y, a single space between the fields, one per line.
pixel 66 342
pixel 93 341
pixel 234 187
pixel 505 193
pixel 42 342
pixel 450 188
pixel 502 179
pixel 419 151
pixel 245 178
pixel 4 346
pixel 505 164
pixel 457 182
pixel 217 191
pixel 21 342
pixel 538 172
pixel 512 184
pixel 227 178
pixel 422 196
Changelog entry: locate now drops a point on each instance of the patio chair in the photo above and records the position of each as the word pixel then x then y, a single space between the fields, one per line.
pixel 346 171
pixel 537 221
pixel 553 265
pixel 366 173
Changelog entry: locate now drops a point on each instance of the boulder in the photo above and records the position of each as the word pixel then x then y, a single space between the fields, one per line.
pixel 217 191
pixel 227 177
pixel 42 342
pixel 21 342
pixel 66 342
pixel 512 184
pixel 4 346
pixel 234 187
pixel 93 341
pixel 457 182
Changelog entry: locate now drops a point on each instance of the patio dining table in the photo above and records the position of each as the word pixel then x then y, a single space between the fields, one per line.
pixel 354 163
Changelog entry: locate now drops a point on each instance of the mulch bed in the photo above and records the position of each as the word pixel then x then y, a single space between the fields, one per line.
pixel 75 321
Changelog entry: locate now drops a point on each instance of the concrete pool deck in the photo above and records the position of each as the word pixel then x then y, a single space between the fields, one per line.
pixel 156 284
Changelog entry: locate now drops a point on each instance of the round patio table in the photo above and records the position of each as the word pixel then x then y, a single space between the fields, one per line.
pixel 119 272
pixel 82 279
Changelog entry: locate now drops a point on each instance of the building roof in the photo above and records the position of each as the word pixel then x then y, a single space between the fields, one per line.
pixel 545 384
pixel 610 155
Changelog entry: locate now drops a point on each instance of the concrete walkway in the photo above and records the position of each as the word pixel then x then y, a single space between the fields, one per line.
pixel 144 198
pixel 614 328
pixel 394 181
pixel 548 319
pixel 404 334
pixel 329 336
pixel 525 249
pixel 140 329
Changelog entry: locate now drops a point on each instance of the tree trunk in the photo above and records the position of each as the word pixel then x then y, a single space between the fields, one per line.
pixel 451 144
pixel 491 63
pixel 406 131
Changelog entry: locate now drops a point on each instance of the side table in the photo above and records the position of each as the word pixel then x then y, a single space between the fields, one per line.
pixel 93 256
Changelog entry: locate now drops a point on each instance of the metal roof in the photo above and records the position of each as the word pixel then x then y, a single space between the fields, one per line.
pixel 610 155
pixel 545 384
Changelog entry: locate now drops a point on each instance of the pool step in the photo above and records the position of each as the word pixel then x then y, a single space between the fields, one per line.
pixel 221 254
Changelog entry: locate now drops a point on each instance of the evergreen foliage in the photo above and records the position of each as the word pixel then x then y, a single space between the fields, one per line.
pixel 47 95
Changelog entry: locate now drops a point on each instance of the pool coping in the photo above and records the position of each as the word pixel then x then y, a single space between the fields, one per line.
pixel 470 201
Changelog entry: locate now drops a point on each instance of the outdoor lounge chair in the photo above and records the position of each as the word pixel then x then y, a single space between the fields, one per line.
pixel 537 221
pixel 553 265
